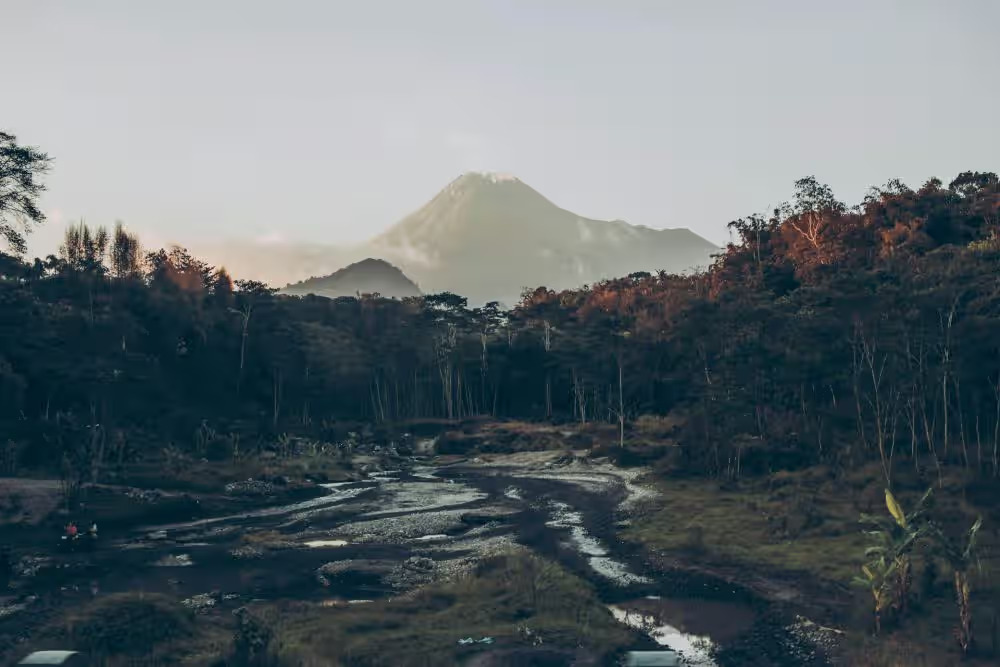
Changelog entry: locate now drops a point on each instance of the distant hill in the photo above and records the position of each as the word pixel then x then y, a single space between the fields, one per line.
pixel 487 236
pixel 369 276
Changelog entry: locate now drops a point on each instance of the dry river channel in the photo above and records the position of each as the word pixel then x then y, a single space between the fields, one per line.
pixel 397 530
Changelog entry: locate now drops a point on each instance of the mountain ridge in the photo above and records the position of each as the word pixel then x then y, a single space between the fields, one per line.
pixel 368 276
pixel 488 236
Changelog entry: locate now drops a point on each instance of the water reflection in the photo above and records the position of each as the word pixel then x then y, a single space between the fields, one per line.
pixel 697 650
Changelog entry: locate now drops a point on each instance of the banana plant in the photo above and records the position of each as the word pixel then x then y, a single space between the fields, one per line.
pixel 878 576
pixel 889 558
pixel 962 556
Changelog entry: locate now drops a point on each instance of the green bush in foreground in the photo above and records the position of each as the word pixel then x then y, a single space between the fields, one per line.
pixel 129 624
pixel 519 600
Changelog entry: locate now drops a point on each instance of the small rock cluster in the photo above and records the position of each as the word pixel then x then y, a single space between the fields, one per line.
pixel 246 552
pixel 250 487
pixel 811 638
pixel 170 560
pixel 144 495
pixel 414 571
pixel 29 566
pixel 341 566
pixel 202 602
pixel 16 607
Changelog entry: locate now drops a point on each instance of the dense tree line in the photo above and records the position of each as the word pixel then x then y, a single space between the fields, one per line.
pixel 821 334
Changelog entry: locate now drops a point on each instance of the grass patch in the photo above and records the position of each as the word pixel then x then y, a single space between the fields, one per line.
pixel 802 528
pixel 518 600
pixel 129 624
pixel 129 629
pixel 784 529
pixel 197 476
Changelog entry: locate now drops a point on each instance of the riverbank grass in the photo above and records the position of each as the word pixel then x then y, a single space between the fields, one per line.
pixel 795 536
pixel 518 600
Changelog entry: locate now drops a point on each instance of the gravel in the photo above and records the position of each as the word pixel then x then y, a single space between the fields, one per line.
pixel 398 529
pixel 250 487
pixel 246 552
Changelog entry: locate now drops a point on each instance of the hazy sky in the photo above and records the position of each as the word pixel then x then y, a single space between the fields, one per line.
pixel 197 121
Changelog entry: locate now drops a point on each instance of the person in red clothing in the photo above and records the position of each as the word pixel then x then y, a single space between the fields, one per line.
pixel 71 530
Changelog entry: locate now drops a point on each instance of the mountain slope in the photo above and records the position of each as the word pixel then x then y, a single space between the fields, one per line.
pixel 488 236
pixel 369 276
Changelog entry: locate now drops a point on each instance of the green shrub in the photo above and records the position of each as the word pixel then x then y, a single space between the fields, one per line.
pixel 129 623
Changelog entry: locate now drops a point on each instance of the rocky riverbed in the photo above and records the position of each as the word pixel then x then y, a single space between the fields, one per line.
pixel 395 531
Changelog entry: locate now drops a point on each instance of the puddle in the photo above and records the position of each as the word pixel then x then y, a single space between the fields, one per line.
pixel 694 627
pixel 317 544
pixel 696 650
pixel 564 516
pixel 338 602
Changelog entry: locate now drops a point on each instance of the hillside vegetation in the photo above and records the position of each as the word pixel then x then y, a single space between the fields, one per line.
pixel 830 352
pixel 823 334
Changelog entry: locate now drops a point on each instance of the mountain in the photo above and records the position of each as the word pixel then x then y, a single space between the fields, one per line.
pixel 487 236
pixel 369 276
pixel 484 236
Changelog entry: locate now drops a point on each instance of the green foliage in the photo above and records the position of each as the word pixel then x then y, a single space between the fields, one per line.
pixel 517 599
pixel 888 570
pixel 128 623
pixel 21 168
pixel 962 555
pixel 825 335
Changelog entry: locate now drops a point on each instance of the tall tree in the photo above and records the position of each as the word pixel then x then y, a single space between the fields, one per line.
pixel 125 255
pixel 21 168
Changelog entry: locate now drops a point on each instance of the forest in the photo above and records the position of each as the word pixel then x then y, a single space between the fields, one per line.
pixel 830 353
pixel 822 333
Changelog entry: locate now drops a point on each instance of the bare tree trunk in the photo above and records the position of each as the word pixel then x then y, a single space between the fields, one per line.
pixel 944 401
pixel 97 442
pixel 876 371
pixel 979 446
pixel 945 369
pixel 548 394
pixel 483 369
pixel 964 630
pixel 911 412
pixel 276 389
pixel 621 407
pixel 996 430
pixel 961 420
pixel 857 365
pixel 580 396
pixel 245 316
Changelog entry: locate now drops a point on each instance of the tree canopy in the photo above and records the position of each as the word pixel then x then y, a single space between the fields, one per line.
pixel 822 333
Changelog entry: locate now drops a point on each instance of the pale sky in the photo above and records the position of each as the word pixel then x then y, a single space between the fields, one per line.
pixel 328 121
